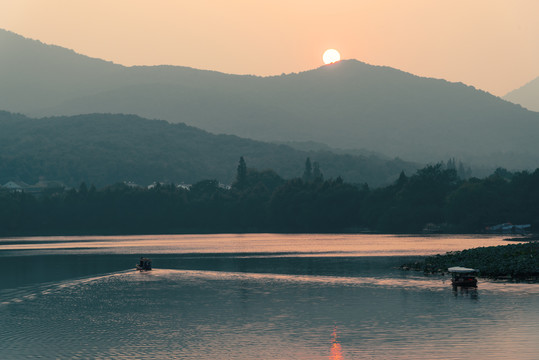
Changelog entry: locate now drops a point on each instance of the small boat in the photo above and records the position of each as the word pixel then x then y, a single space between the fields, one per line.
pixel 144 264
pixel 461 276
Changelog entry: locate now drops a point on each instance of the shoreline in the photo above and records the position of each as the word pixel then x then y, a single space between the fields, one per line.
pixel 529 237
pixel 512 262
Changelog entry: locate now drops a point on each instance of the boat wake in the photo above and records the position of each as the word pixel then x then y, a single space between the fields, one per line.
pixel 171 276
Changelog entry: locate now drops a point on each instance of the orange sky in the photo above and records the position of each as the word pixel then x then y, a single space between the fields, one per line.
pixel 490 44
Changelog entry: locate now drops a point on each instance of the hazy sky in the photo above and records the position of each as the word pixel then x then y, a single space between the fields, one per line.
pixel 490 44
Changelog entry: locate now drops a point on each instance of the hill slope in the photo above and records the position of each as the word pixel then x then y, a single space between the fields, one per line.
pixel 103 149
pixel 347 105
pixel 527 95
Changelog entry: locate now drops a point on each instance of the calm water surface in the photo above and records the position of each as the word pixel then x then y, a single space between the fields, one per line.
pixel 254 297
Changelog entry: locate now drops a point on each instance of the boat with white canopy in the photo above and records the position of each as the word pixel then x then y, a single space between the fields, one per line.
pixel 462 276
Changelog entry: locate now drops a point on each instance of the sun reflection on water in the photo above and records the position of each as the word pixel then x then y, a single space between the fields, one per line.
pixel 336 348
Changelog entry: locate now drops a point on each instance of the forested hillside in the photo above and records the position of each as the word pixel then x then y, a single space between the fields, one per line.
pixel 103 149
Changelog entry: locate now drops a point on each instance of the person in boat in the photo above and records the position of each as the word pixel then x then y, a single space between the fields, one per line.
pixel 144 264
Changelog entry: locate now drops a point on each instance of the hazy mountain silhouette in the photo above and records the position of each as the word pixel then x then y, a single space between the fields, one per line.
pixel 104 148
pixel 527 95
pixel 345 105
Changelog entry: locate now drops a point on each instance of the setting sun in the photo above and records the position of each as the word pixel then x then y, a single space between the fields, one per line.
pixel 331 56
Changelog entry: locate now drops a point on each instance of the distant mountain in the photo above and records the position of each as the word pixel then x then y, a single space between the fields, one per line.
pixel 527 95
pixel 316 146
pixel 102 149
pixel 348 105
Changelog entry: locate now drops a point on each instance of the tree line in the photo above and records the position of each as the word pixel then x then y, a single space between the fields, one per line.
pixel 435 198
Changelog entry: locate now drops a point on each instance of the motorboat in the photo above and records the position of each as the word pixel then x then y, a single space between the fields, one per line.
pixel 144 264
pixel 462 276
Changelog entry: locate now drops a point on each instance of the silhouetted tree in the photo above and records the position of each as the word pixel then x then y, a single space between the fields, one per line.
pixel 83 189
pixel 401 181
pixel 241 174
pixel 502 173
pixel 317 174
pixel 308 172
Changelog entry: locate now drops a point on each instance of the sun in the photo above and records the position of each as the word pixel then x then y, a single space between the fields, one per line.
pixel 331 56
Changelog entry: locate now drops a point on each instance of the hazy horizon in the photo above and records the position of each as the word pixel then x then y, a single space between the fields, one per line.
pixel 490 45
pixel 294 206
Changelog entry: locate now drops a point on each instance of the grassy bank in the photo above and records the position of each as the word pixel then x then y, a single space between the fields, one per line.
pixel 515 261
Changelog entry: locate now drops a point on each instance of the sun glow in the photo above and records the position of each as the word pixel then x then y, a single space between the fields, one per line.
pixel 331 56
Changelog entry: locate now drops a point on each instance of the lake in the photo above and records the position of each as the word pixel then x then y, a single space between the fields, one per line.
pixel 254 296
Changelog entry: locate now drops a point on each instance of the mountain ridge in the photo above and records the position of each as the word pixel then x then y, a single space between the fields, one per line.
pixel 527 95
pixel 349 104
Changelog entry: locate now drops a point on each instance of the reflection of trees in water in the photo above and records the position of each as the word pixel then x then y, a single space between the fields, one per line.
pixel 336 349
